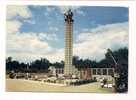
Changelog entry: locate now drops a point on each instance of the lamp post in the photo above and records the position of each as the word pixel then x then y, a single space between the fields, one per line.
pixel 27 74
pixel 116 74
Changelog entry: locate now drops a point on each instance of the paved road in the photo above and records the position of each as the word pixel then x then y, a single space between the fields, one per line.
pixel 20 85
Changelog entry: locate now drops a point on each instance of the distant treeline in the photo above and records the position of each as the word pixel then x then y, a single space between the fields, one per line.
pixel 42 65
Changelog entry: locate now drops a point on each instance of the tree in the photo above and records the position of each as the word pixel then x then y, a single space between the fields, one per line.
pixel 121 68
pixel 75 60
pixel 58 64
pixel 8 64
pixel 41 65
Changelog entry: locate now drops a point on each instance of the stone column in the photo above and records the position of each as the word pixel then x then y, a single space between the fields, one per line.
pixel 107 71
pixel 68 42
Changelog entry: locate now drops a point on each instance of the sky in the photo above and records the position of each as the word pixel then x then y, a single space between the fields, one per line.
pixel 35 32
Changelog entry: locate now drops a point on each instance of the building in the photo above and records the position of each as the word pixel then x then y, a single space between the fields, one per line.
pixel 86 73
pixel 56 71
pixel 96 73
pixel 100 73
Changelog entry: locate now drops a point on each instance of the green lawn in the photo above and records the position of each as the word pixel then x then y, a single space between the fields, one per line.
pixel 34 86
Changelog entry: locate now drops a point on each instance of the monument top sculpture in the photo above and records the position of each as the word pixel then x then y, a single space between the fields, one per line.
pixel 68 16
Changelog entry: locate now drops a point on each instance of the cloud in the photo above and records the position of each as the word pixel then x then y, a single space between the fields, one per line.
pixel 29 42
pixel 91 44
pixel 63 9
pixel 28 46
pixel 94 44
pixel 53 28
pixel 47 36
pixel 22 11
pixel 50 8
pixel 46 14
pixel 80 12
pixel 13 26
pixel 30 21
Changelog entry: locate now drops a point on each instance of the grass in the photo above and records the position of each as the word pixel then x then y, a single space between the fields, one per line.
pixel 20 85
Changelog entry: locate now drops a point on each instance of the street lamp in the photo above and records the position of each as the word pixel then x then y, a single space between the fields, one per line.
pixel 116 74
pixel 27 74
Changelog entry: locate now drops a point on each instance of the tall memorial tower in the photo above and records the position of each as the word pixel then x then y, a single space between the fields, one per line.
pixel 68 42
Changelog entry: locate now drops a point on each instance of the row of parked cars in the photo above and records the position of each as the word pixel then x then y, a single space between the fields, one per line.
pixel 14 75
pixel 105 84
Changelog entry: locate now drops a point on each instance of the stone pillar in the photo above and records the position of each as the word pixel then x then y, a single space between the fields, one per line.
pixel 68 42
pixel 101 71
pixel 96 71
pixel 107 71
